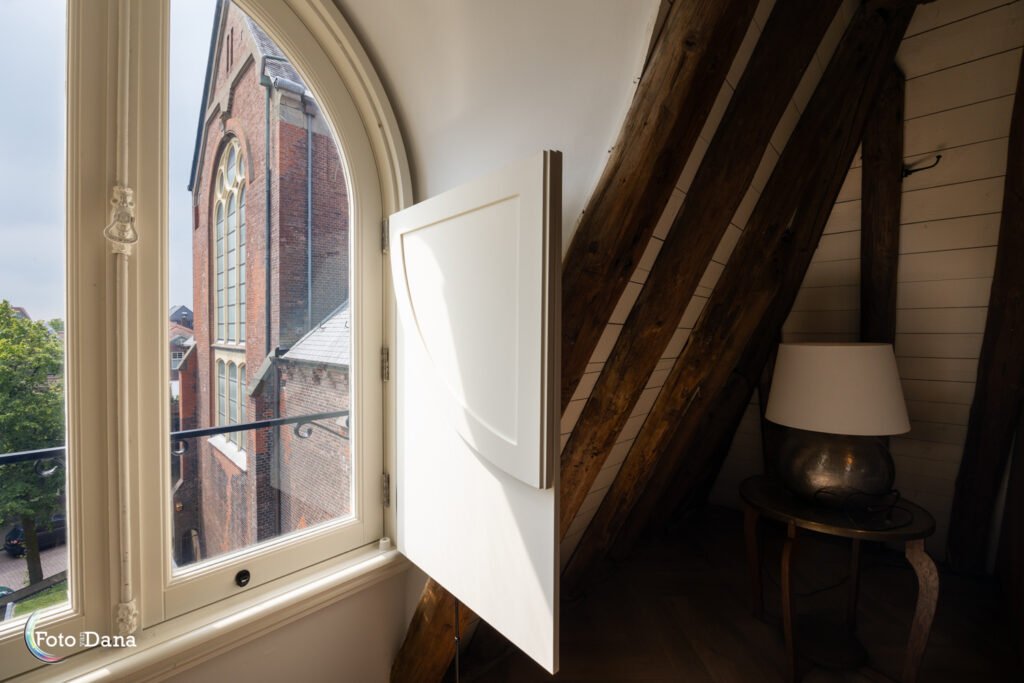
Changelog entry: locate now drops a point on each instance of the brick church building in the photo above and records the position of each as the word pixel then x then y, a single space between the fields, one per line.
pixel 271 316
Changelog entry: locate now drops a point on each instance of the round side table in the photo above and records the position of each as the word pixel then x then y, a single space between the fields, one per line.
pixel 766 497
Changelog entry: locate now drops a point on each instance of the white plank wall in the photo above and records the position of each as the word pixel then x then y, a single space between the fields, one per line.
pixel 960 58
pixel 714 269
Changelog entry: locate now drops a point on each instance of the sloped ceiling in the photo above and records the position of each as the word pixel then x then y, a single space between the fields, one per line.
pixel 479 84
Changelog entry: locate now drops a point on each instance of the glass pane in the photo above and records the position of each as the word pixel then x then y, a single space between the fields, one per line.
pixel 229 169
pixel 232 394
pixel 32 305
pixel 304 365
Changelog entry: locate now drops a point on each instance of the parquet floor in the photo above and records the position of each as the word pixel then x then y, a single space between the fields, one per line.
pixel 678 610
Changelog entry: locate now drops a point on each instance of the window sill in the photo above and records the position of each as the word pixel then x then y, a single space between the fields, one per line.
pixel 181 643
pixel 230 451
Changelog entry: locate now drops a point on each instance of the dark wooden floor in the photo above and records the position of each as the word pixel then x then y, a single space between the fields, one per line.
pixel 678 610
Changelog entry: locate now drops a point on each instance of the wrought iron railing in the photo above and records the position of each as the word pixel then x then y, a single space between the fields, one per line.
pixel 303 428
pixel 39 456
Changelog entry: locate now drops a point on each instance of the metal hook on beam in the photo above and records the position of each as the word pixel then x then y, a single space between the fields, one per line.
pixel 907 171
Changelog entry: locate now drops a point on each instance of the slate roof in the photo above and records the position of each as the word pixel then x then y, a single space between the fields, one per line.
pixel 176 331
pixel 330 342
pixel 266 47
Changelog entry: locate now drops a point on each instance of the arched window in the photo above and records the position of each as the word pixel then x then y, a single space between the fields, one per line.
pixel 229 209
pixel 221 393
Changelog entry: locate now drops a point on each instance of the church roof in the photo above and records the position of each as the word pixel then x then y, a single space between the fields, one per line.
pixel 268 48
pixel 330 342
pixel 265 47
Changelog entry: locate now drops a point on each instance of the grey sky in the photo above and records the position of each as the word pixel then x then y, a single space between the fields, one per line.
pixel 32 156
pixel 32 147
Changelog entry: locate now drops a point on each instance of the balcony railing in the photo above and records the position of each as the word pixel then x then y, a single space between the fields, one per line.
pixel 303 428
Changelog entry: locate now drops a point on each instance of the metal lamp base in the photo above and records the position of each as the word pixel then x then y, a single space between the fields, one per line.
pixel 836 470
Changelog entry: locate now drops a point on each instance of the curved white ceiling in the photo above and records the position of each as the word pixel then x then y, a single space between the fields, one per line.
pixel 477 84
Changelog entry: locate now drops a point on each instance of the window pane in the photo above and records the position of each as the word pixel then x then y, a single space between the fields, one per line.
pixel 243 415
pixel 220 393
pixel 229 169
pixel 232 394
pixel 304 365
pixel 32 300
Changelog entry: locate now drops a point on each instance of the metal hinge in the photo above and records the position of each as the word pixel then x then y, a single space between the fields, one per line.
pixel 384 235
pixel 385 363
pixel 385 480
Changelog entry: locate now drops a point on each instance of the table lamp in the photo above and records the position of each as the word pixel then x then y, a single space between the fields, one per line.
pixel 839 401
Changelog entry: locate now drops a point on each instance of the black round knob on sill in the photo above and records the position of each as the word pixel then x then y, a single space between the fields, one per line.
pixel 242 578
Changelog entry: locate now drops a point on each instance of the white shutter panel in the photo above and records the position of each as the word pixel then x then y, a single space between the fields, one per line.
pixel 476 273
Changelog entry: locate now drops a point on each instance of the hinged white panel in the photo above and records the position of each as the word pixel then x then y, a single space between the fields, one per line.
pixel 476 273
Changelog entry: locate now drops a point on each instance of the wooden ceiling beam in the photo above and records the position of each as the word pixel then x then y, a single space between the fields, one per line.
pixel 691 56
pixel 732 339
pixel 430 636
pixel 882 181
pixel 999 389
pixel 1010 559
pixel 787 45
pixel 881 193
pixel 684 74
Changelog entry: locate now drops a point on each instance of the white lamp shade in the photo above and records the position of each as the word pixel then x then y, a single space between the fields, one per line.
pixel 838 389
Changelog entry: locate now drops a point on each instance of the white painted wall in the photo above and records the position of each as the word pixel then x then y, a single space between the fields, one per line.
pixel 477 84
pixel 354 639
pixel 960 58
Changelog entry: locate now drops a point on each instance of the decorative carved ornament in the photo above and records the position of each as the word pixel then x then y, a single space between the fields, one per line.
pixel 121 231
pixel 127 618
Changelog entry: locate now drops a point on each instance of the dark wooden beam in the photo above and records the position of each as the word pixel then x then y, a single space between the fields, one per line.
pixel 999 390
pixel 881 192
pixel 787 44
pixel 684 73
pixel 730 343
pixel 688 65
pixel 430 636
pixel 1010 559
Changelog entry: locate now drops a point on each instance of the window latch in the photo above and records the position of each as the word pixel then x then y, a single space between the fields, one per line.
pixel 385 479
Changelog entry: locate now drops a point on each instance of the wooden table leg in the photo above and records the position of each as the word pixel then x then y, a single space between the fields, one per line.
pixel 927 597
pixel 754 561
pixel 851 600
pixel 787 600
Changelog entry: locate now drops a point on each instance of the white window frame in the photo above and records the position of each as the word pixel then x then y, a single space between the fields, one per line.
pixel 192 615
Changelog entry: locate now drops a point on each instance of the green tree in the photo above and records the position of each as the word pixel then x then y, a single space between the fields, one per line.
pixel 57 324
pixel 31 417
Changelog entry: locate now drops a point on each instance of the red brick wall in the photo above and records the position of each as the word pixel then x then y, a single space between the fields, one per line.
pixel 223 491
pixel 187 392
pixel 239 507
pixel 330 229
pixel 315 472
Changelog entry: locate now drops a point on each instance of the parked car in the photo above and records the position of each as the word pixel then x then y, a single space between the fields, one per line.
pixel 49 533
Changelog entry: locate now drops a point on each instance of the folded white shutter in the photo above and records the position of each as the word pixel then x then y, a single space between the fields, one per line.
pixel 476 273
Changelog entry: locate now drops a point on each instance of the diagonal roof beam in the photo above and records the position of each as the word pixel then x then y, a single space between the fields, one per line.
pixel 999 390
pixel 689 62
pixel 688 65
pixel 790 38
pixel 732 339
